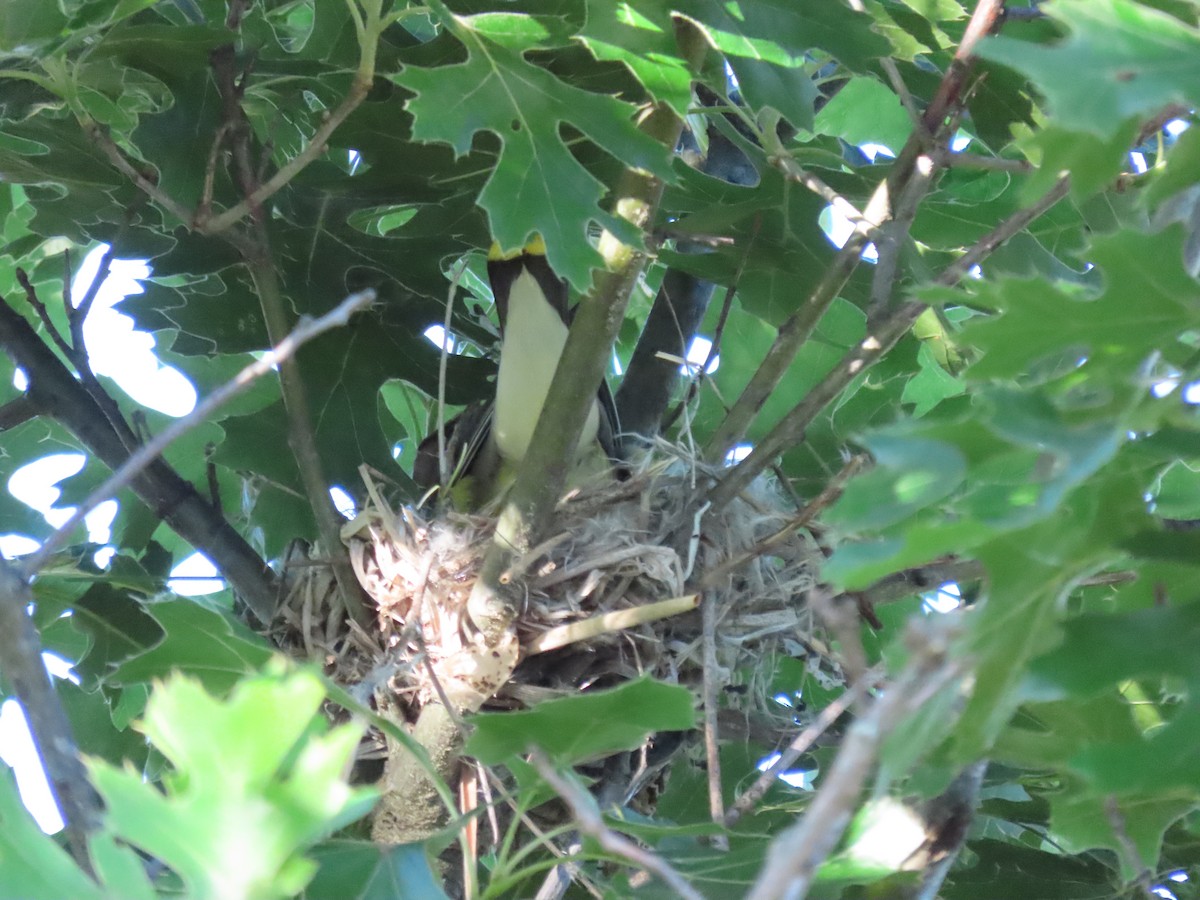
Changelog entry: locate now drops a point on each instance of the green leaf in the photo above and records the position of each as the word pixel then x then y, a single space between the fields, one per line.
pixel 1137 60
pixel 577 728
pixel 537 185
pixel 790 90
pixel 1093 164
pixel 779 31
pixel 1182 169
pixel 27 27
pixel 863 112
pixel 1003 869
pixel 1147 301
pixel 932 384
pixel 1167 760
pixel 911 473
pixel 32 865
pixel 1177 494
pixel 1099 651
pixel 1083 820
pixel 357 870
pixel 118 627
pixel 1028 573
pixel 254 771
pixel 200 640
pixel 641 37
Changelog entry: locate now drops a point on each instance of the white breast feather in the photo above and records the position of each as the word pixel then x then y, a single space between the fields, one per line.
pixel 534 337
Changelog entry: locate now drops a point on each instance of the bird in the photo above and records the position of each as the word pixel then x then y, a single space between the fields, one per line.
pixel 487 442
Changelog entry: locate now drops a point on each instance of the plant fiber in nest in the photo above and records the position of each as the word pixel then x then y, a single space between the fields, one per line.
pixel 622 566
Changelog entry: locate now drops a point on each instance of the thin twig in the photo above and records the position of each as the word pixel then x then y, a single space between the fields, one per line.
pixel 810 511
pixel 21 662
pixel 54 390
pixel 79 314
pixel 983 20
pixel 881 337
pixel 790 430
pixel 790 338
pixel 928 577
pixel 792 170
pixel 316 146
pixel 210 170
pixel 150 188
pixel 609 622
pixel 443 364
pixel 889 68
pixel 990 242
pixel 75 351
pixel 712 750
pixel 1129 850
pixel 714 348
pixel 368 32
pixel 798 328
pixel 951 160
pixel 842 620
pixel 893 235
pixel 44 314
pixel 800 745
pixel 145 454
pixel 795 854
pixel 587 817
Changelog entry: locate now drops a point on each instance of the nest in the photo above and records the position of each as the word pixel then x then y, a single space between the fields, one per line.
pixel 611 595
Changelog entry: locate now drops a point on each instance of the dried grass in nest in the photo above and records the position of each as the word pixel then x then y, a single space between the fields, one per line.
pixel 622 554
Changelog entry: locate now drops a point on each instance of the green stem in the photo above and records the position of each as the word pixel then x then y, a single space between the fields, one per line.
pixel 543 473
pixel 299 418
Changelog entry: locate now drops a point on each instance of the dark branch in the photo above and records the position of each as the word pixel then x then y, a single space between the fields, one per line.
pixel 21 662
pixel 148 453
pixel 54 391
pixel 651 381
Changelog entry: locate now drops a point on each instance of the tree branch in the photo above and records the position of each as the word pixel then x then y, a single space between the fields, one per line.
pixel 591 822
pixel 21 662
pixel 796 853
pixel 147 453
pixel 369 29
pixel 55 392
pixel 543 472
pixel 881 337
pixel 799 327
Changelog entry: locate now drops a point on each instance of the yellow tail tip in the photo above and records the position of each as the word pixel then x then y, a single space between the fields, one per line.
pixel 535 246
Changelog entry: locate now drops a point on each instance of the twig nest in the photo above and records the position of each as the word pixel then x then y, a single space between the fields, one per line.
pixel 608 595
